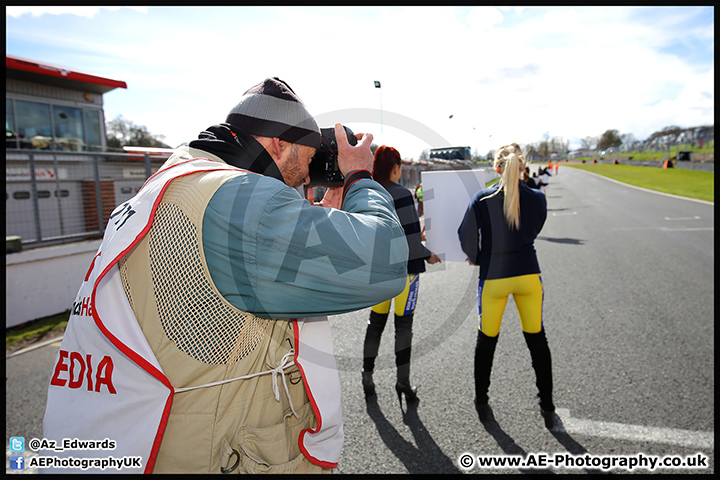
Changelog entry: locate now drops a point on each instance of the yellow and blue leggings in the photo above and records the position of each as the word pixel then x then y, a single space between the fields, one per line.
pixel 404 312
pixel 405 302
pixel 527 291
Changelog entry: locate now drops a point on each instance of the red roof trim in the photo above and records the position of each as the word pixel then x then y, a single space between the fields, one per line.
pixel 18 63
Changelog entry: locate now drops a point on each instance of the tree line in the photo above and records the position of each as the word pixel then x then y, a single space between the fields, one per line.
pixel 123 132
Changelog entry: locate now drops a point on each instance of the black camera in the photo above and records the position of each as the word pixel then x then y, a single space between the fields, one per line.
pixel 324 170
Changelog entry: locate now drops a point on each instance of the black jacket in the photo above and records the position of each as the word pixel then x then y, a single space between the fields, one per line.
pixel 407 213
pixel 488 241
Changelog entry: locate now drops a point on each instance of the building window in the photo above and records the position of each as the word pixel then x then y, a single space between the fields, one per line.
pixel 69 135
pixel 58 127
pixel 33 124
pixel 92 128
pixel 10 133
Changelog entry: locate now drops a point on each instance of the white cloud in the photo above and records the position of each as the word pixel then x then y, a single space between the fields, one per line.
pixel 484 18
pixel 513 73
pixel 88 12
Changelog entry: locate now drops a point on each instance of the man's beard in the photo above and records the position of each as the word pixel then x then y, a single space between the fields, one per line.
pixel 292 171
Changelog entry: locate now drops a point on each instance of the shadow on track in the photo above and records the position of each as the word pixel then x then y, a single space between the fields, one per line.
pixel 568 241
pixel 508 445
pixel 571 445
pixel 426 457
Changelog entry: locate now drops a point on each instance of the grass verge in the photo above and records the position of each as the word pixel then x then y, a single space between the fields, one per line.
pixel 28 333
pixel 676 181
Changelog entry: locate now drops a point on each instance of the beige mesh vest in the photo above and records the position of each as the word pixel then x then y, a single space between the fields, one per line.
pixel 242 426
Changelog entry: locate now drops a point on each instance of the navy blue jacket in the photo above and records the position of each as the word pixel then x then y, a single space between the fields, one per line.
pixel 488 241
pixel 408 215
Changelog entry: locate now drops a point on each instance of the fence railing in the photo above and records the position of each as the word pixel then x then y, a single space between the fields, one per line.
pixel 54 197
pixel 57 197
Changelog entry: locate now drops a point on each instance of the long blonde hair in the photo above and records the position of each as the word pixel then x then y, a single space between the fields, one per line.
pixel 511 160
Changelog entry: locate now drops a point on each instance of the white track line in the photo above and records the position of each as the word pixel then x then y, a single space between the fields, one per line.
pixel 621 431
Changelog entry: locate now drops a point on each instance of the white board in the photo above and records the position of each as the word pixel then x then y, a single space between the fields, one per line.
pixel 446 196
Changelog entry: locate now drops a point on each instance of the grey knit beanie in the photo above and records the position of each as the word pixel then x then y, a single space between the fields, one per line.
pixel 271 109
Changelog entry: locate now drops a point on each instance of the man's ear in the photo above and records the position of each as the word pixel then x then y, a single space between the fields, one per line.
pixel 279 146
pixel 276 148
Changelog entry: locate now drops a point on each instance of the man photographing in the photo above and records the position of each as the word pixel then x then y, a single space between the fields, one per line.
pixel 205 347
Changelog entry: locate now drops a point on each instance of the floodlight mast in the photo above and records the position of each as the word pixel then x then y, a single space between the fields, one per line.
pixel 377 85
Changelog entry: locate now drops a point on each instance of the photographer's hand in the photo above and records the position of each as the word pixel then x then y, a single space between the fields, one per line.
pixel 358 157
pixel 332 198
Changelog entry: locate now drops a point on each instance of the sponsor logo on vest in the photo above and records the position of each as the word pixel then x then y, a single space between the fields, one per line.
pixel 123 213
pixel 82 307
pixel 80 371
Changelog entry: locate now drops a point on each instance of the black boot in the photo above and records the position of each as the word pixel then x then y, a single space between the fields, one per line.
pixel 484 354
pixel 368 384
pixel 375 326
pixel 403 349
pixel 542 364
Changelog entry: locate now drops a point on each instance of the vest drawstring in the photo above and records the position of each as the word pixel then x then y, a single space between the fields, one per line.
pixel 274 372
pixel 281 369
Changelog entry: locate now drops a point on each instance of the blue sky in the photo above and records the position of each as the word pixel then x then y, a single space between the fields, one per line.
pixel 505 74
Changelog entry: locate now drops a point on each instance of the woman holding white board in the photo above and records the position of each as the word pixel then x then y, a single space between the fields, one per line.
pixel 387 169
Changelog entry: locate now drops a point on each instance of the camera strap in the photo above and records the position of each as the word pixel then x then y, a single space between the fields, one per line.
pixel 353 177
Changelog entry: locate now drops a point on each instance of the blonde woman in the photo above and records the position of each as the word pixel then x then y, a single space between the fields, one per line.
pixel 498 234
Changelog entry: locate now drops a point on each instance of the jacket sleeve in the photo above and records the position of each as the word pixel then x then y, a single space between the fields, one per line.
pixel 287 258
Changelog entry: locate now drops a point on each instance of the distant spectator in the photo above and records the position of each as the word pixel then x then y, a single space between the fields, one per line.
pixel 544 179
pixel 535 181
pixel 532 183
pixel 419 198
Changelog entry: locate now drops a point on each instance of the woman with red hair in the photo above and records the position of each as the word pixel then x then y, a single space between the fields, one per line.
pixel 387 170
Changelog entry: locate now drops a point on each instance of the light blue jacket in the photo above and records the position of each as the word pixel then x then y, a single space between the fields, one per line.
pixel 272 253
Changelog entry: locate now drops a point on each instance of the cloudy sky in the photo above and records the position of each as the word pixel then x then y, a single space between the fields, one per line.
pixel 479 77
